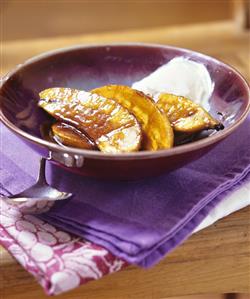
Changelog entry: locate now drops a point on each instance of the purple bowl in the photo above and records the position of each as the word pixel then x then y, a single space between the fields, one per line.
pixel 87 67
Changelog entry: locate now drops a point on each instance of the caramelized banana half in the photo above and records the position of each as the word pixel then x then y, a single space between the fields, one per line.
pixel 70 136
pixel 108 124
pixel 157 131
pixel 186 116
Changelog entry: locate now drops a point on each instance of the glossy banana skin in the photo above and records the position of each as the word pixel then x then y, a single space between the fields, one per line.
pixel 185 116
pixel 108 124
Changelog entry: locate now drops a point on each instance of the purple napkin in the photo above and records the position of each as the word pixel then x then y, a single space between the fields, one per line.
pixel 141 221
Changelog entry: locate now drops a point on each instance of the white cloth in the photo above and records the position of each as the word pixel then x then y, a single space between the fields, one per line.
pixel 233 202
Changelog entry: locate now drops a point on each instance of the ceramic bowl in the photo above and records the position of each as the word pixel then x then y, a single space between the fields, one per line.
pixel 87 67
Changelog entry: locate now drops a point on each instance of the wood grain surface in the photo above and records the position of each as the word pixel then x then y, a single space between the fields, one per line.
pixel 221 39
pixel 24 19
pixel 215 260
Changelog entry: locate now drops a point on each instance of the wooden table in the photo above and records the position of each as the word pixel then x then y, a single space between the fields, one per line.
pixel 215 260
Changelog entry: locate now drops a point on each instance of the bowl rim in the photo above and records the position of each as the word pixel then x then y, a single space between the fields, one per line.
pixel 134 155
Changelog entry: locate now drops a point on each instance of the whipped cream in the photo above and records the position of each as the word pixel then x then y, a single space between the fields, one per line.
pixel 180 76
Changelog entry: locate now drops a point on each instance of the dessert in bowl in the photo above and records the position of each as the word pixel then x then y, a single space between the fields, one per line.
pixel 128 67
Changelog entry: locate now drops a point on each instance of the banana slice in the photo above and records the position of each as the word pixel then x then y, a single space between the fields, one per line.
pixel 70 136
pixel 157 131
pixel 106 122
pixel 186 116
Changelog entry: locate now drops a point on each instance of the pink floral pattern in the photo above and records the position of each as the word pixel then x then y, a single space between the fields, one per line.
pixel 60 261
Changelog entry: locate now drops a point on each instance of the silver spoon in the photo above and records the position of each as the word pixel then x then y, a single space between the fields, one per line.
pixel 38 197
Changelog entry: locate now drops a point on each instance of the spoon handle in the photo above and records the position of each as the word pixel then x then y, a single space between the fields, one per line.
pixel 41 179
pixel 17 200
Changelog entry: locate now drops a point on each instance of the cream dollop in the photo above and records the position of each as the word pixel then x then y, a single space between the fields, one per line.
pixel 180 76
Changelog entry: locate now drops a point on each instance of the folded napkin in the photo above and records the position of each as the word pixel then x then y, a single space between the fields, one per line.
pixel 60 261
